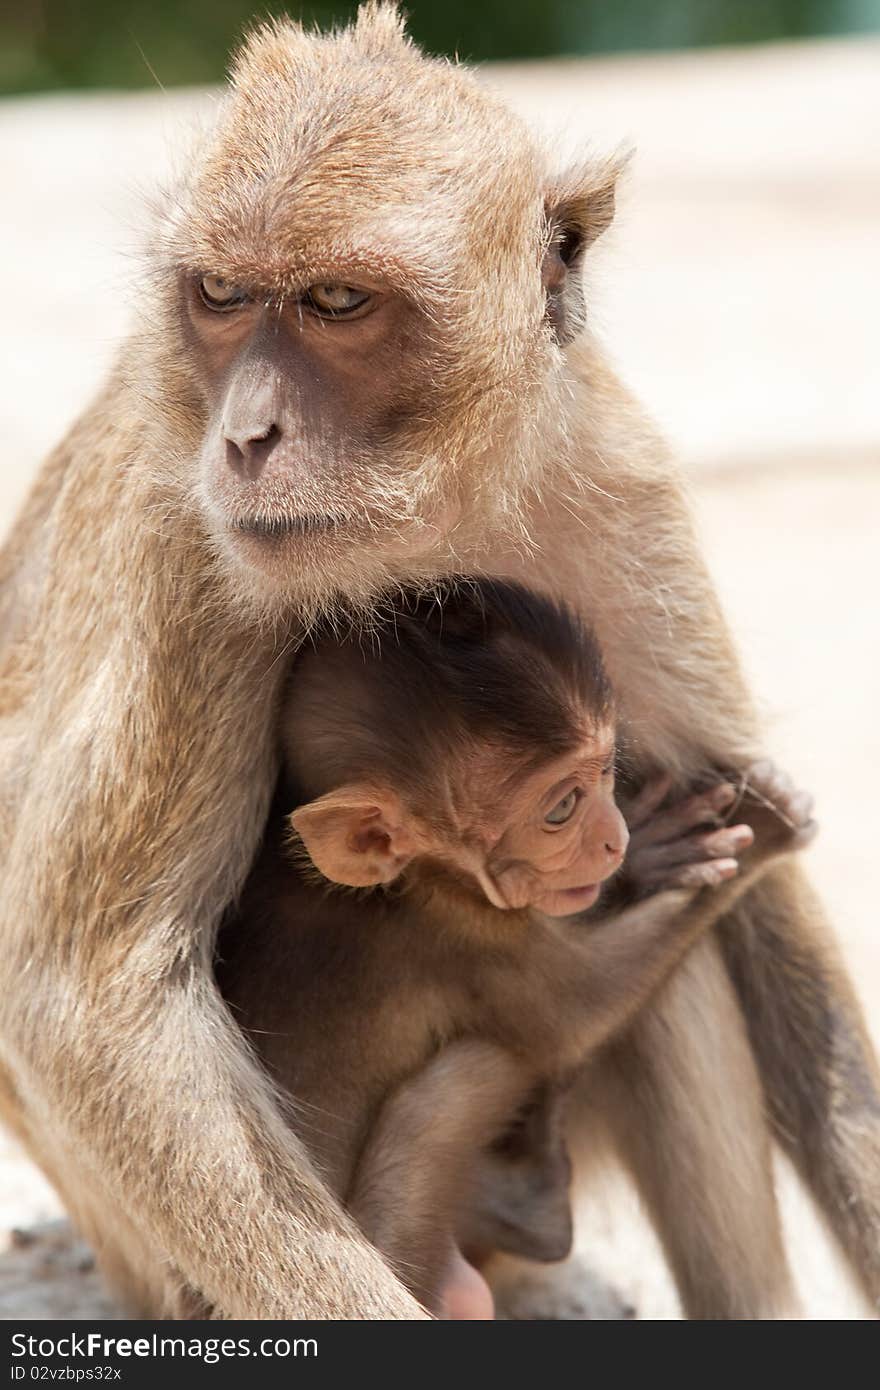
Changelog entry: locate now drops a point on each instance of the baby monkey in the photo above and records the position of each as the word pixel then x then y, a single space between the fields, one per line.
pixel 459 769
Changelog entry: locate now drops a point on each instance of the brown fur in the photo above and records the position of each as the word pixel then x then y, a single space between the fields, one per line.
pixel 382 739
pixel 349 1016
pixel 144 655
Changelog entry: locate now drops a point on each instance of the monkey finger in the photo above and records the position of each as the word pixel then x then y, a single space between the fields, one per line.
pixel 708 874
pixel 799 808
pixel 651 796
pixel 725 843
pixel 646 864
pixel 805 835
pixel 762 774
pixel 767 781
pixel 775 790
pixel 705 874
pixel 704 808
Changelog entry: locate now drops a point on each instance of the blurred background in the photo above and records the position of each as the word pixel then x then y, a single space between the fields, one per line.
pixel 105 43
pixel 738 292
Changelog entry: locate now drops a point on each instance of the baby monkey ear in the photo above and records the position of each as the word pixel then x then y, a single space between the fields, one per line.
pixel 578 208
pixel 357 836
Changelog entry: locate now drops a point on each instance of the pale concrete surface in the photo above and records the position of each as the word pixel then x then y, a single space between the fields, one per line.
pixel 740 294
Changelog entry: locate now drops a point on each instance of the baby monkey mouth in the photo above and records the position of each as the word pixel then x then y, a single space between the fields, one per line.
pixel 276 528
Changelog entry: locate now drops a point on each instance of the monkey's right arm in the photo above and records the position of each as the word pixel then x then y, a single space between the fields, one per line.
pixel 692 875
pixel 126 1044
pixel 139 757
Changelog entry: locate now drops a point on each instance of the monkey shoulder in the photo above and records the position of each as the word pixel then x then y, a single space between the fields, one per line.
pixel 298 958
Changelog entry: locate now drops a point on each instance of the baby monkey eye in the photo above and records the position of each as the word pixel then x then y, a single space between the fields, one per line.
pixel 334 301
pixel 563 810
pixel 219 294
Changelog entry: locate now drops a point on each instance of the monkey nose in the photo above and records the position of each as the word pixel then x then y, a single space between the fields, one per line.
pixel 617 840
pixel 248 450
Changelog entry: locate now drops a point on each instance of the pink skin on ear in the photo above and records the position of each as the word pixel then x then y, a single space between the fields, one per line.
pixel 357 836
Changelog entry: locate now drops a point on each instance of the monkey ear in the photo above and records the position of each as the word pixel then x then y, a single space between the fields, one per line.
pixel 578 208
pixel 358 836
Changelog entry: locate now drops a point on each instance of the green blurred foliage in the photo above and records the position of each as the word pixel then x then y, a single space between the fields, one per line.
pixel 136 43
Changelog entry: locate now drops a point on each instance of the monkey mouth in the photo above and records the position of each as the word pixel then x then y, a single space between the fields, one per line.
pixel 279 528
pixel 566 902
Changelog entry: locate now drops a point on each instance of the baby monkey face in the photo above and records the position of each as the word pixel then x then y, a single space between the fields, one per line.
pixel 564 834
pixel 553 835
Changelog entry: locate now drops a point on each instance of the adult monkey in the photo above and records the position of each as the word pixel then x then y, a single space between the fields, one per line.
pixel 357 363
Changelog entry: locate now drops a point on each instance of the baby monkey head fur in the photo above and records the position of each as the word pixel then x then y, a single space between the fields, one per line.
pixel 469 737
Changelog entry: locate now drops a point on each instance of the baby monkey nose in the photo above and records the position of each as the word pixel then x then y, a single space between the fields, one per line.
pixel 616 837
pixel 247 451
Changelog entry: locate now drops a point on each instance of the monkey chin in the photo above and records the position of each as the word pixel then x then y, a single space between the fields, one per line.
pixel 319 563
pixel 311 566
pixel 567 902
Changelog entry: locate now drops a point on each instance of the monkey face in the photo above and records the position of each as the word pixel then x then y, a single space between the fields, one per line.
pixel 564 835
pixel 314 454
pixel 561 834
pixel 368 277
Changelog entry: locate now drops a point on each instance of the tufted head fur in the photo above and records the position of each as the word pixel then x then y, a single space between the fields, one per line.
pixel 351 157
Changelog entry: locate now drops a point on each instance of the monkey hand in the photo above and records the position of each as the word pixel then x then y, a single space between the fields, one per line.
pixel 682 843
pixel 702 839
pixel 779 814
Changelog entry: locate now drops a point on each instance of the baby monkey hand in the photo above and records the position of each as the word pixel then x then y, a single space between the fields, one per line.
pixel 704 838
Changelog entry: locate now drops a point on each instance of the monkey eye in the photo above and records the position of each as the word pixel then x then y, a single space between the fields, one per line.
pixel 563 810
pixel 334 300
pixel 219 294
pixel 569 243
